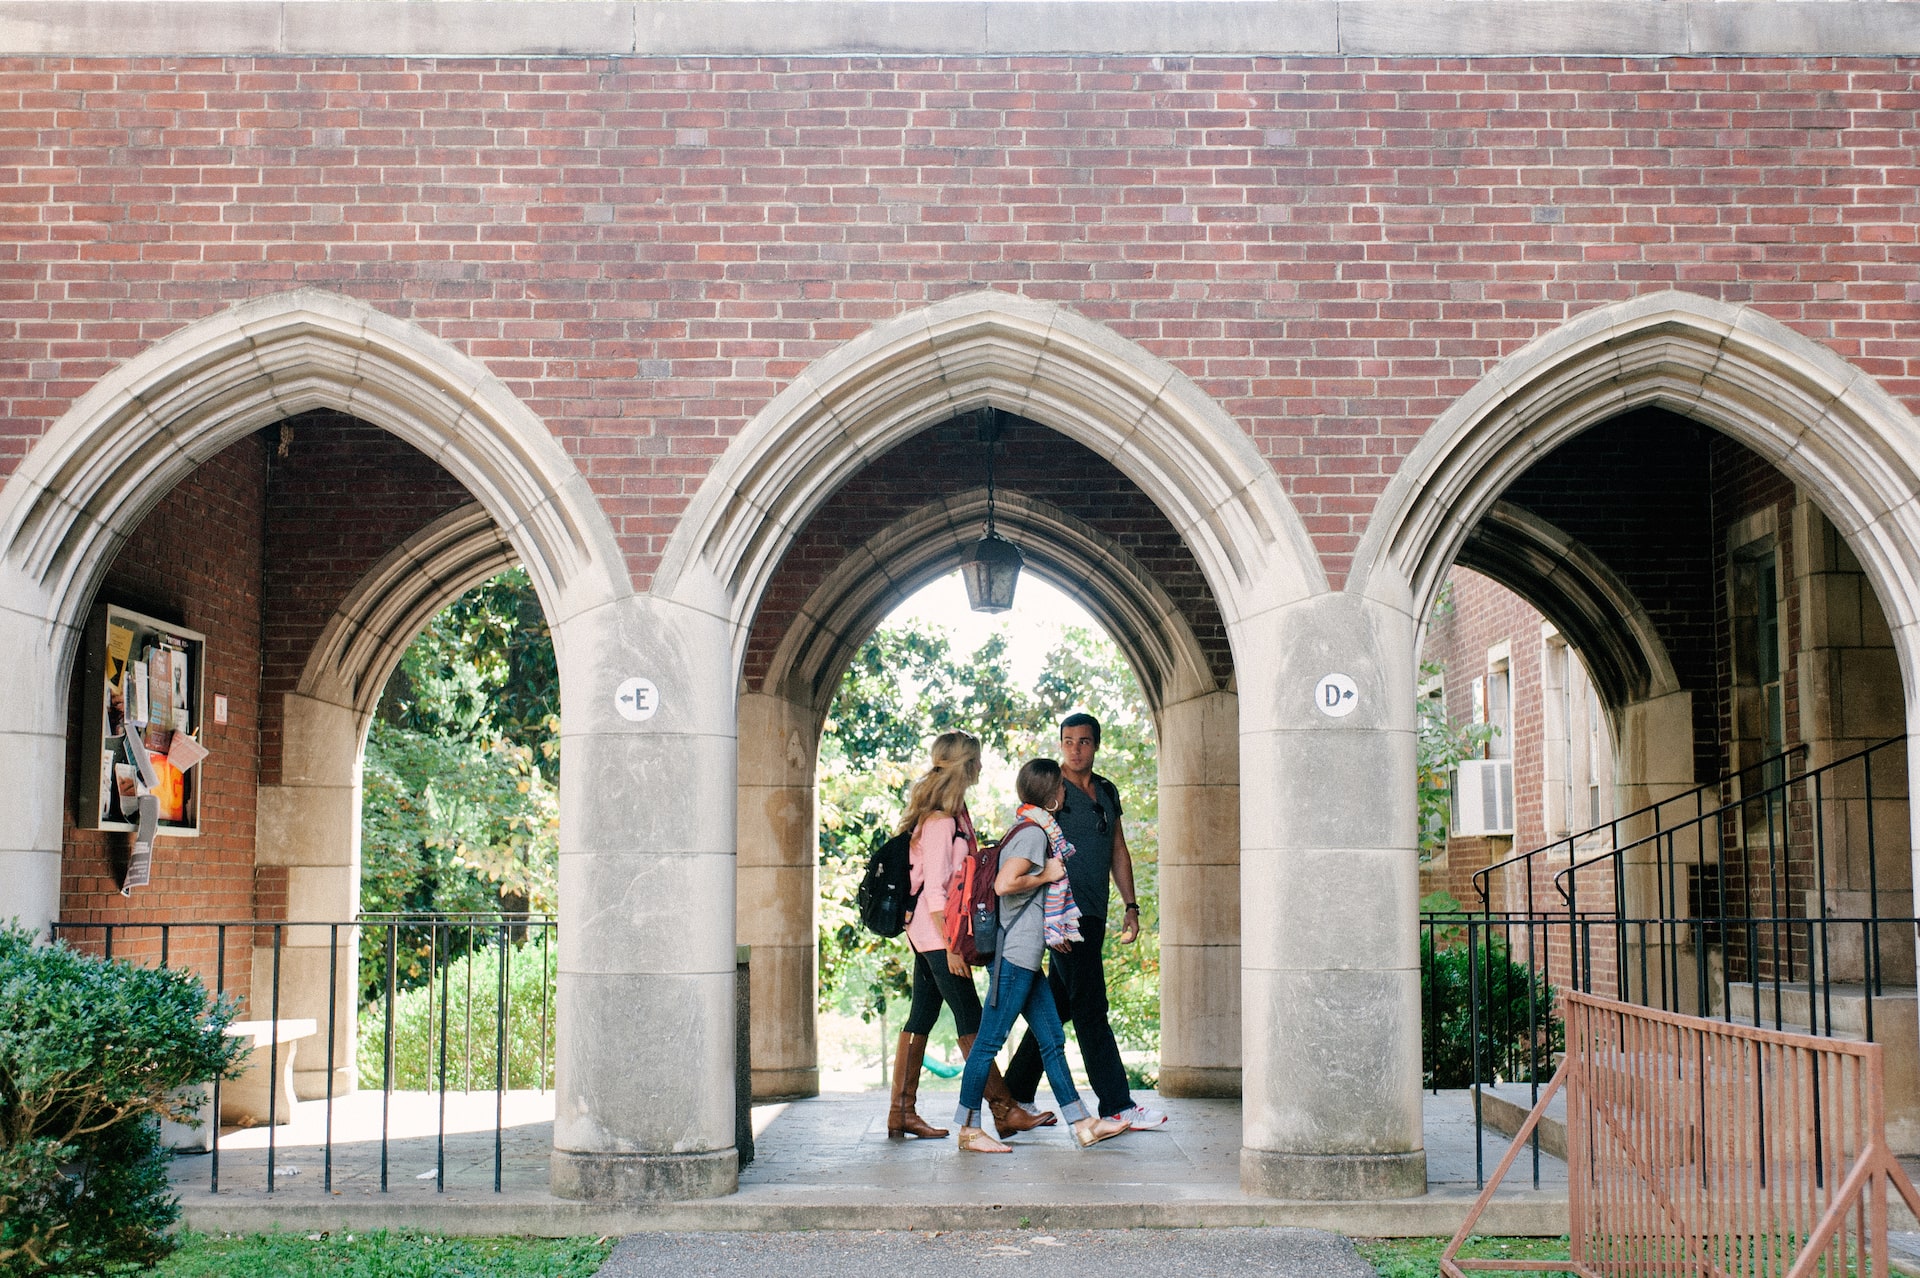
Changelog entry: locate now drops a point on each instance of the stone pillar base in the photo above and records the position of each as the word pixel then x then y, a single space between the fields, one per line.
pixel 785 1084
pixel 1200 1082
pixel 644 1177
pixel 1333 1177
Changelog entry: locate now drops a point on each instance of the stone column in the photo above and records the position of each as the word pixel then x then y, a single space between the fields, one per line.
pixel 310 824
pixel 644 1061
pixel 1655 764
pixel 1329 905
pixel 1850 699
pixel 1200 897
pixel 33 709
pixel 778 886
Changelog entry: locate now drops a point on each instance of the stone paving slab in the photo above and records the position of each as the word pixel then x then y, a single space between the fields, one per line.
pixel 1172 1253
pixel 824 1164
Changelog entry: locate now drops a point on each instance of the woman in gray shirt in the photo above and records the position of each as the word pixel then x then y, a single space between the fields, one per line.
pixel 1029 860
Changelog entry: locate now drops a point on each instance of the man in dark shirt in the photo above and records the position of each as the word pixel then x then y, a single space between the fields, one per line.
pixel 1090 819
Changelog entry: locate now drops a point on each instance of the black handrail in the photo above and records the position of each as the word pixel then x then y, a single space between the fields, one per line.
pixel 1482 877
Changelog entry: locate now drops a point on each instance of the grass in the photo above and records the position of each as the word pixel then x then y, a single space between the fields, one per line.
pixel 381 1255
pixel 1420 1257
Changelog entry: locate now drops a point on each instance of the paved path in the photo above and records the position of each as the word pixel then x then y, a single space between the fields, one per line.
pixel 824 1164
pixel 1134 1253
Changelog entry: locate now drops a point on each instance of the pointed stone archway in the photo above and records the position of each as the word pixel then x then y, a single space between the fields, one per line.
pixel 1826 426
pixel 1196 721
pixel 1329 980
pixel 645 982
pixel 309 822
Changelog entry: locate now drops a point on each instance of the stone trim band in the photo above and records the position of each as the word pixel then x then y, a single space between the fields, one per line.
pixel 980 28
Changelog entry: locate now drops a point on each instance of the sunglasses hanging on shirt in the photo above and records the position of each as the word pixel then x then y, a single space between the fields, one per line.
pixel 1099 814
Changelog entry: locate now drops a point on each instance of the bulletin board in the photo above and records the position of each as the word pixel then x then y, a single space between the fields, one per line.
pixel 143 723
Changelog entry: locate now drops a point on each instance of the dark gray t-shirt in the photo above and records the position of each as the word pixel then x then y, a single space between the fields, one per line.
pixel 1090 868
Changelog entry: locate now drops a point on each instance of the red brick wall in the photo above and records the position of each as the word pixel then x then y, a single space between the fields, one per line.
pixel 647 250
pixel 344 496
pixel 195 559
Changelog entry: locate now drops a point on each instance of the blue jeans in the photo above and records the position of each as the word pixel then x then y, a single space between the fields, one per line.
pixel 1022 993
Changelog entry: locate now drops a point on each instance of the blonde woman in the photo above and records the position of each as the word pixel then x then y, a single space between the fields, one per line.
pixel 942 837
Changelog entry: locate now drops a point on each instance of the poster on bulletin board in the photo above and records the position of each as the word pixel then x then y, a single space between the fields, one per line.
pixel 144 722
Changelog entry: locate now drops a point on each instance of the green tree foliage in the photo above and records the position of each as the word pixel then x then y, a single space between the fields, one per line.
pixel 460 798
pixel 468 994
pixel 483 670
pixel 904 687
pixel 92 1054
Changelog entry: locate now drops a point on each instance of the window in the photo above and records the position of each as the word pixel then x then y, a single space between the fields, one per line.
pixel 1499 710
pixel 1759 702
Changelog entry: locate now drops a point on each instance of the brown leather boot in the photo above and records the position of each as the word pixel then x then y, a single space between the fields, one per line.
pixel 1008 1116
pixel 908 1053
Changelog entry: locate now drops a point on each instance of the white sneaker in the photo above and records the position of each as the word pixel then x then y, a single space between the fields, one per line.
pixel 1031 1108
pixel 1140 1118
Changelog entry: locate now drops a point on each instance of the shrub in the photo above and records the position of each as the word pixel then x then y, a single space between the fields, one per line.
pixel 470 1056
pixel 92 1054
pixel 1511 1047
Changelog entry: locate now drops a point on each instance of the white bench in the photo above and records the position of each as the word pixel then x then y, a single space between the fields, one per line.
pixel 243 1100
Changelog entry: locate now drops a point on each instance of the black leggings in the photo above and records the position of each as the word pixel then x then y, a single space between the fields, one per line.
pixel 933 984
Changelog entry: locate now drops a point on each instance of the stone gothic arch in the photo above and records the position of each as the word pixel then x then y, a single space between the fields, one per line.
pixel 1303 1137
pixel 309 822
pixel 1821 421
pixel 780 722
pixel 86 484
pixel 1026 357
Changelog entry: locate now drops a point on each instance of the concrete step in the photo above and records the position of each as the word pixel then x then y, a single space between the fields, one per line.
pixel 1845 1004
pixel 1504 1108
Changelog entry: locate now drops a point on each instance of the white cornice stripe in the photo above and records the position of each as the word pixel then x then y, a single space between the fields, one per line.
pixel 985 28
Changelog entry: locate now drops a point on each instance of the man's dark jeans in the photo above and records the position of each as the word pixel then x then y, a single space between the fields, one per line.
pixel 1079 981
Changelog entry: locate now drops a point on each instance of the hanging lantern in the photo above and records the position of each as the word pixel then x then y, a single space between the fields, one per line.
pixel 991 569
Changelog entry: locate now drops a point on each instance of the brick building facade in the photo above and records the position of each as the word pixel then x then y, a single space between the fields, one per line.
pixel 685 307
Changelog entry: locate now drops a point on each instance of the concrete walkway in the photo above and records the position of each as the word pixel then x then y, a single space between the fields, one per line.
pixel 823 1164
pixel 1157 1253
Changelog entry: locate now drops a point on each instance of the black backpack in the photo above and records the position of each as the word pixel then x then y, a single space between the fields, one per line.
pixel 885 899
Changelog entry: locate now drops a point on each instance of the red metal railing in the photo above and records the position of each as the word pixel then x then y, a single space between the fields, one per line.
pixel 1702 1148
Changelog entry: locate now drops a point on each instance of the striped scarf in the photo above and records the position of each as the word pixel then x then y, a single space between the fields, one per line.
pixel 1060 917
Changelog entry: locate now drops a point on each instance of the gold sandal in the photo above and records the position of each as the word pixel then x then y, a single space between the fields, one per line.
pixel 975 1140
pixel 1091 1131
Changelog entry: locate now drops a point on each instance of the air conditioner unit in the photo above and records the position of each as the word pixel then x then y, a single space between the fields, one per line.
pixel 1483 797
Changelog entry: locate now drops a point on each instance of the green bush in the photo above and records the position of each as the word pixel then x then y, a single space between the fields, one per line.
pixel 1512 1048
pixel 92 1054
pixel 471 1025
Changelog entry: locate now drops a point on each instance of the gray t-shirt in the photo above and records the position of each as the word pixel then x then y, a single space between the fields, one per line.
pixel 1024 935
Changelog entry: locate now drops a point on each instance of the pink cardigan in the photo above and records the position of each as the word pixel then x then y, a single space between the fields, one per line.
pixel 935 852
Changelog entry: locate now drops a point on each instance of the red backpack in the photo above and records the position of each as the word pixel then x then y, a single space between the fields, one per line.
pixel 973 907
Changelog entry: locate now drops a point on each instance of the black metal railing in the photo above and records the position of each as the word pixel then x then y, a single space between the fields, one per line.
pixel 1757 898
pixel 1662 814
pixel 398 973
pixel 1761 856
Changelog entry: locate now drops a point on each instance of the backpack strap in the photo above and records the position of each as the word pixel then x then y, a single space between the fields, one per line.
pixel 1000 940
